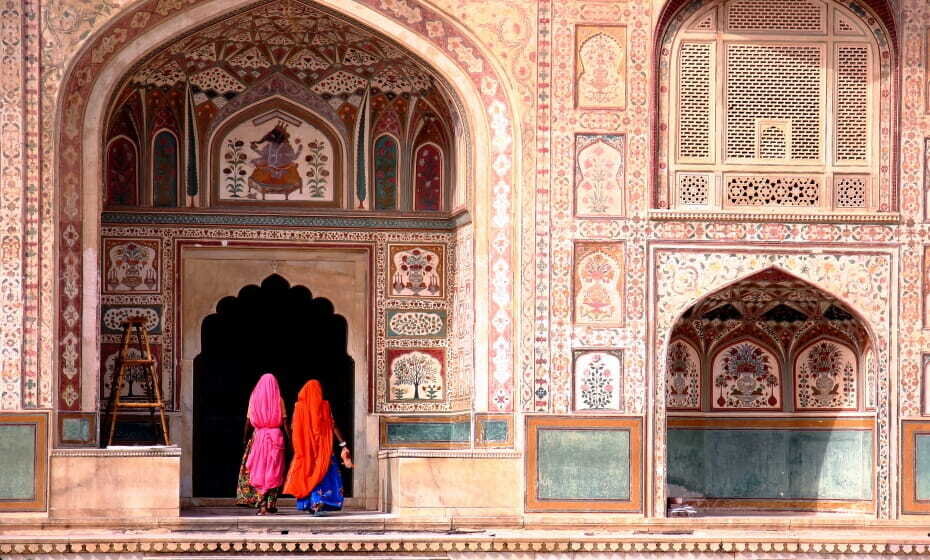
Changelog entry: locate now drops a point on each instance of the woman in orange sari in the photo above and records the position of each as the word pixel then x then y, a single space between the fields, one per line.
pixel 314 477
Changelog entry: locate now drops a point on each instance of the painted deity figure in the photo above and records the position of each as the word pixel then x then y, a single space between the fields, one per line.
pixel 276 167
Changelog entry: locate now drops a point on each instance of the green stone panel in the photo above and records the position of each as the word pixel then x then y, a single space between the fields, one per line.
pixel 428 432
pixel 591 464
pixel 922 469
pixel 772 464
pixel 75 429
pixel 17 462
pixel 494 430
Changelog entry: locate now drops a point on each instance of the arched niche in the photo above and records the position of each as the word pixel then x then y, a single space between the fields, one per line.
pixel 122 171
pixel 827 376
pixel 761 327
pixel 385 172
pixel 165 161
pixel 428 177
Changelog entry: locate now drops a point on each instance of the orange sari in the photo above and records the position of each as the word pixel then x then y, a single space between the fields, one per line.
pixel 312 433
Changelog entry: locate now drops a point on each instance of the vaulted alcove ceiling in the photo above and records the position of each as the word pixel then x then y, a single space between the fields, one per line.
pixel 333 58
pixel 778 302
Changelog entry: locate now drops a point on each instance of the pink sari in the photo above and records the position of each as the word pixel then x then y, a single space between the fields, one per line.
pixel 266 414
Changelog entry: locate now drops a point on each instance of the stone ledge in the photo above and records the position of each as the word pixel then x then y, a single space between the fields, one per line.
pixel 448 454
pixel 120 451
pixel 778 217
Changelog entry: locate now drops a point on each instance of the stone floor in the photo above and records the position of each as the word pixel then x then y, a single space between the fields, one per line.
pixel 229 530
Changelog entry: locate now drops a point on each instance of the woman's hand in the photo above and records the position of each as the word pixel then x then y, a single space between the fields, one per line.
pixel 346 458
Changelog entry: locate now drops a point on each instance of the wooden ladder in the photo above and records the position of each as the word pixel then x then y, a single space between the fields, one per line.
pixel 147 363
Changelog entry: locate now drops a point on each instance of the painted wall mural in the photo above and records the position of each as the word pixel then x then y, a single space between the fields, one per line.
pixel 275 157
pixel 599 279
pixel 122 172
pixel 683 390
pixel 113 317
pixel 416 323
pixel 598 380
pixel 416 271
pixel 746 376
pixel 826 377
pixel 165 169
pixel 427 185
pixel 131 266
pixel 416 374
pixel 400 324
pixel 600 66
pixel 599 175
pixel 135 387
pixel 384 161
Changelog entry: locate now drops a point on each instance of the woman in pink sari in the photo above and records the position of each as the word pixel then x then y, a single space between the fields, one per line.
pixel 262 472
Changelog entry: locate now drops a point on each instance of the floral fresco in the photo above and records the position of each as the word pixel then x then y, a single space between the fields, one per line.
pixel 131 266
pixel 416 374
pixel 415 271
pixel 599 275
pixel 598 379
pixel 746 376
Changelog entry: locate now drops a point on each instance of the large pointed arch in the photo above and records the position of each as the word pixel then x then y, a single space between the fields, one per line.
pixel 489 116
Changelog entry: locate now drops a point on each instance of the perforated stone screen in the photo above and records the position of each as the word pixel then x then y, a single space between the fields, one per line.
pixel 773 106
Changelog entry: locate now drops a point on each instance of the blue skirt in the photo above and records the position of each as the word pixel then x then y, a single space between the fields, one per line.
pixel 328 493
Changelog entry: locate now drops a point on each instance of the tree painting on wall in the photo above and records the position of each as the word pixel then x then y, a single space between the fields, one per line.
pixel 415 374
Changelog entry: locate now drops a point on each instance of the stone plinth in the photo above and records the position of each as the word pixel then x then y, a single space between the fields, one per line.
pixel 451 483
pixel 115 483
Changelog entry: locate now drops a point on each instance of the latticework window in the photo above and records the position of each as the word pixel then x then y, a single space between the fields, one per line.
pixel 772 106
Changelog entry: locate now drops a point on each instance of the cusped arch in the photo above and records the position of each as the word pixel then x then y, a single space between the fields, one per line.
pixel 94 73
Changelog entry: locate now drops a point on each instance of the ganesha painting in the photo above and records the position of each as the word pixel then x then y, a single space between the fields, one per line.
pixel 275 158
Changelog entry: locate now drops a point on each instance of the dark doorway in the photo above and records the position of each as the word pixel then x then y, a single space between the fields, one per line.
pixel 272 328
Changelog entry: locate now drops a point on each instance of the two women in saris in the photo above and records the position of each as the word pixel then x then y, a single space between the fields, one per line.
pixel 314 477
pixel 261 474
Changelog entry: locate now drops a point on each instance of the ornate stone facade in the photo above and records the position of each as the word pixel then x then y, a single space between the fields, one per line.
pixel 541 209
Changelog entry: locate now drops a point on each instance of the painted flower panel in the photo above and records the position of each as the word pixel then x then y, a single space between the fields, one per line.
pixel 598 379
pixel 599 283
pixel 746 376
pixel 599 175
pixel 683 383
pixel 825 377
pixel 416 271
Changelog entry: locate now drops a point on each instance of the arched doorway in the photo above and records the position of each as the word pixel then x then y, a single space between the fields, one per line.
pixel 277 328
pixel 770 396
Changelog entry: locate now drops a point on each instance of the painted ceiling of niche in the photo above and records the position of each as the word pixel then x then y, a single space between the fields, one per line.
pixel 775 299
pixel 334 59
